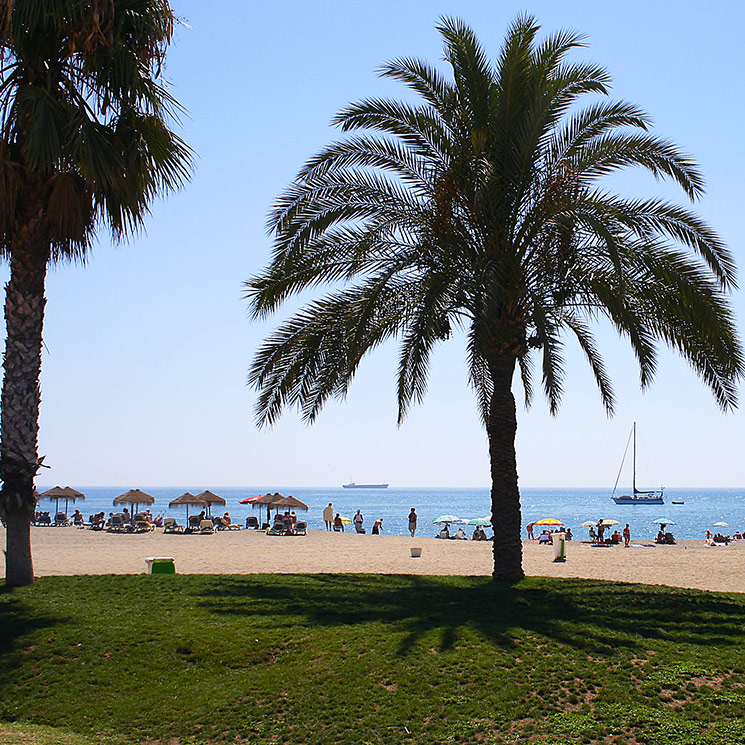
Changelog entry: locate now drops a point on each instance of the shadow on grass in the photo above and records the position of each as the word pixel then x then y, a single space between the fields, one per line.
pixel 593 616
pixel 18 619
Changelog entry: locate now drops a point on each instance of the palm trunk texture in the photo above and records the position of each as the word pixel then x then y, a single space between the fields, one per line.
pixel 21 396
pixel 505 495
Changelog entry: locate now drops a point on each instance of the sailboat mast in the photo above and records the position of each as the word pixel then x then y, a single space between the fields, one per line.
pixel 633 472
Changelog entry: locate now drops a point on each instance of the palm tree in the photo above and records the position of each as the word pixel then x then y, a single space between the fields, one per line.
pixel 84 142
pixel 480 210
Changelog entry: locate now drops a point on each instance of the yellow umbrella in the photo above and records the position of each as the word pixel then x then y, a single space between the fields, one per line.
pixel 548 521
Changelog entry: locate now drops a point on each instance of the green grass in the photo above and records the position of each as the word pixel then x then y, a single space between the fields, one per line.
pixel 203 659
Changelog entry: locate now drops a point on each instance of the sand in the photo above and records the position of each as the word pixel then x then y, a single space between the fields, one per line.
pixel 73 551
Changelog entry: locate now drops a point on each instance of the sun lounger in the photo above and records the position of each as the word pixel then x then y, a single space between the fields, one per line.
pixel 206 526
pixel 252 522
pixel 301 527
pixel 60 520
pixel 171 526
pixel 118 525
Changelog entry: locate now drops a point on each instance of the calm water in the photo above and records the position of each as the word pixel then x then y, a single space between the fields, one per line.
pixel 573 506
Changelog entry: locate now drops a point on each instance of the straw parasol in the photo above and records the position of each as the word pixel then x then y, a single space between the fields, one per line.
pixel 209 499
pixel 135 497
pixel 268 500
pixel 58 492
pixel 291 503
pixel 187 498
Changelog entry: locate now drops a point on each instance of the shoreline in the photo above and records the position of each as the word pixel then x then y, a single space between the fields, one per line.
pixel 74 551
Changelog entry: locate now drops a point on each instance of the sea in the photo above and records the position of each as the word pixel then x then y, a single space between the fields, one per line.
pixel 701 508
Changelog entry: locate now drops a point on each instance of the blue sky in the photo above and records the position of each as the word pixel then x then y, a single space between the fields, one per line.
pixel 147 346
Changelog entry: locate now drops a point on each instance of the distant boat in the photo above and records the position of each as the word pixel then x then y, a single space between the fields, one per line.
pixel 678 501
pixel 637 496
pixel 352 485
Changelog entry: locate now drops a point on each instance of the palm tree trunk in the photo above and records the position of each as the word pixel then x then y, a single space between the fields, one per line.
pixel 505 495
pixel 19 460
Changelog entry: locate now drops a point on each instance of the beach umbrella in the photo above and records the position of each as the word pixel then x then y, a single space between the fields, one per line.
pixel 291 503
pixel 345 520
pixel 249 500
pixel 588 524
pixel 134 497
pixel 663 521
pixel 720 525
pixel 58 492
pixel 209 499
pixel 187 498
pixel 608 522
pixel 482 521
pixel 549 521
pixel 446 519
pixel 270 500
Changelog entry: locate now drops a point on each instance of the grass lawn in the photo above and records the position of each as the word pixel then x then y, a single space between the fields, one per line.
pixel 180 660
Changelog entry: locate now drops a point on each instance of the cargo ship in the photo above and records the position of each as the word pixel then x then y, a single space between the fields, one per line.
pixel 352 485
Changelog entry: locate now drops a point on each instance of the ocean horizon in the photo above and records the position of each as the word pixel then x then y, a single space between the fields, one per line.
pixel 572 505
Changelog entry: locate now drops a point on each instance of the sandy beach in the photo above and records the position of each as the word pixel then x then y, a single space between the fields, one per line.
pixel 74 551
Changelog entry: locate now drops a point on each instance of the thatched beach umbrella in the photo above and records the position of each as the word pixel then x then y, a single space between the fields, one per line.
pixel 186 499
pixel 268 500
pixel 58 492
pixel 135 497
pixel 291 503
pixel 209 499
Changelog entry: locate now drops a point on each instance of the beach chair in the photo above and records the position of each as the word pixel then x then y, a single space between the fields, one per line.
pixel 206 526
pixel 301 528
pixel 117 524
pixel 60 520
pixel 252 522
pixel 171 526
pixel 279 528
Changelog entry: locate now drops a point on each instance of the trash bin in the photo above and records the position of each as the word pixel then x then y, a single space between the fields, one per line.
pixel 559 547
pixel 160 565
pixel 416 553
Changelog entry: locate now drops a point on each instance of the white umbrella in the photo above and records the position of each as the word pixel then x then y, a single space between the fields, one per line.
pixel 663 521
pixel 446 519
pixel 588 524
pixel 483 521
pixel 720 525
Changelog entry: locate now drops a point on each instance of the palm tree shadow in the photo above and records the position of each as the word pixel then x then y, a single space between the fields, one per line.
pixel 593 616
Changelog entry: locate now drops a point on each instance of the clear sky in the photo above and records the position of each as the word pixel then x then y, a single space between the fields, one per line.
pixel 147 347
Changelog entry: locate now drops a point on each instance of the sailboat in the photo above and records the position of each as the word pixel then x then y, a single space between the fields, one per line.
pixel 637 496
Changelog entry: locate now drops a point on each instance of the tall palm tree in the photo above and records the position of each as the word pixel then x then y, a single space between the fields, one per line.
pixel 84 142
pixel 480 209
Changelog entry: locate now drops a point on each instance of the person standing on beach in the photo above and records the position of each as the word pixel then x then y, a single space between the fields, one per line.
pixel 328 515
pixel 626 536
pixel 358 519
pixel 412 522
pixel 529 528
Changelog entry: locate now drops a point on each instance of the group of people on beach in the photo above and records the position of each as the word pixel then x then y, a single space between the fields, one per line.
pixel 333 521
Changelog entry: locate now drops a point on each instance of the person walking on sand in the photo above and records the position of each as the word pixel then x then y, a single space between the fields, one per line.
pixel 529 528
pixel 626 536
pixel 412 522
pixel 328 515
